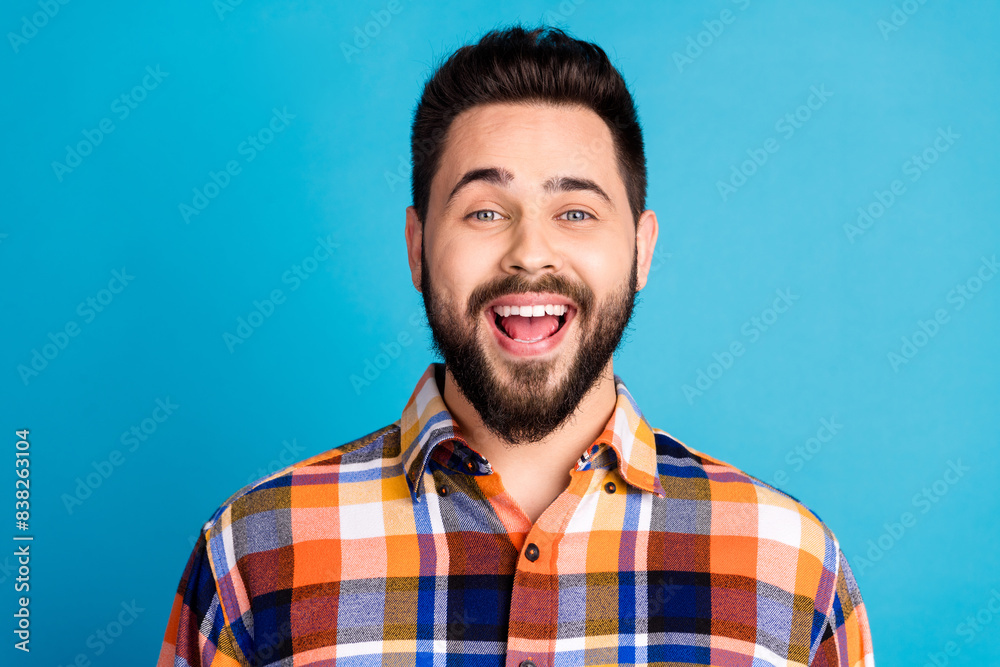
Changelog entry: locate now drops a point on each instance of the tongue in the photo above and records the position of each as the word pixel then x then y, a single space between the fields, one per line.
pixel 530 328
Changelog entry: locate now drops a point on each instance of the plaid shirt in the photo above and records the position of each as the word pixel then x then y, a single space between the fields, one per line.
pixel 403 548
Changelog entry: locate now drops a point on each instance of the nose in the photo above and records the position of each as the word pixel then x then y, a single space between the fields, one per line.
pixel 533 247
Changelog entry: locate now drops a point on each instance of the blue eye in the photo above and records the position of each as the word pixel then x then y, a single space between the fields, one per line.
pixel 577 216
pixel 485 215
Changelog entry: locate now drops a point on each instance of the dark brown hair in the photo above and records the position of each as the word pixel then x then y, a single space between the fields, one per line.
pixel 516 65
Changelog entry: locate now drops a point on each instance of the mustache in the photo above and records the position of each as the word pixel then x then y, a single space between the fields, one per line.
pixel 579 293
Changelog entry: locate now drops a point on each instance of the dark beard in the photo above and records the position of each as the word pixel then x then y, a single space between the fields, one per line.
pixel 527 411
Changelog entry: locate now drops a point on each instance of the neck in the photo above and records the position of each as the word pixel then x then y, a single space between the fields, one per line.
pixel 535 473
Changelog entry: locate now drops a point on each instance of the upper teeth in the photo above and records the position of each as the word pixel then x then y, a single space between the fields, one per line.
pixel 530 311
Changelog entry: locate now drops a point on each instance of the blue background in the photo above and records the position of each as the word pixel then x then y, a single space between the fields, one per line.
pixel 339 170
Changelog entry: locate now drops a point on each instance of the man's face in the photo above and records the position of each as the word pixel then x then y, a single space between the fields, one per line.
pixel 529 261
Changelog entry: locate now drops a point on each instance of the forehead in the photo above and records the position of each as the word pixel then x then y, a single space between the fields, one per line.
pixel 533 141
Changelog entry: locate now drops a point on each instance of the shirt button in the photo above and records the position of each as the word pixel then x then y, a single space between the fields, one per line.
pixel 527 663
pixel 610 487
pixel 443 490
pixel 531 553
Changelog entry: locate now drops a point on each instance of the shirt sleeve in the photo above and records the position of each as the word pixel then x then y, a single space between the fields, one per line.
pixel 198 634
pixel 846 639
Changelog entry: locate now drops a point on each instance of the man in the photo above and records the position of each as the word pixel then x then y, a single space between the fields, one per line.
pixel 521 511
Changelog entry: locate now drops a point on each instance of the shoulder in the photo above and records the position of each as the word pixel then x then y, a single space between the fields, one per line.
pixel 740 504
pixel 273 492
pixel 753 535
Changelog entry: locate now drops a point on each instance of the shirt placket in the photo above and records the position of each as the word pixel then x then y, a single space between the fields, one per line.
pixel 534 610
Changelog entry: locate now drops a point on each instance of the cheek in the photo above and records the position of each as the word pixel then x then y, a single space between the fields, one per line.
pixel 457 268
pixel 603 267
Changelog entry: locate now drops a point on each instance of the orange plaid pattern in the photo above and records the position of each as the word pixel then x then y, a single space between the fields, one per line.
pixel 403 548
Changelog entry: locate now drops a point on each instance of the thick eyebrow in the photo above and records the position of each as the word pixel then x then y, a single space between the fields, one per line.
pixel 571 184
pixel 494 175
pixel 502 178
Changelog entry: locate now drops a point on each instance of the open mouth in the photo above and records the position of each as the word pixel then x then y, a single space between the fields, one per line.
pixel 530 324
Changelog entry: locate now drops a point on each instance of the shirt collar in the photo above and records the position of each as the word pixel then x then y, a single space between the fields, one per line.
pixel 426 426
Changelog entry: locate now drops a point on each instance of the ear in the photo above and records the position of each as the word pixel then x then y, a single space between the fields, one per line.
pixel 414 242
pixel 645 244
